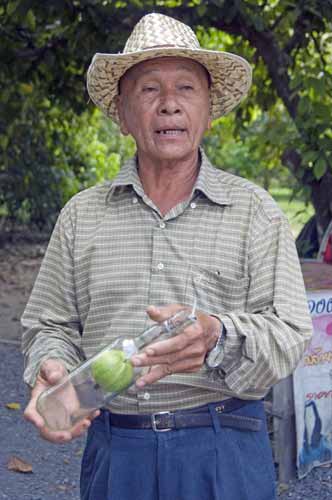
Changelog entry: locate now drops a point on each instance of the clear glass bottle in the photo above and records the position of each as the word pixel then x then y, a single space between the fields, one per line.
pixel 95 382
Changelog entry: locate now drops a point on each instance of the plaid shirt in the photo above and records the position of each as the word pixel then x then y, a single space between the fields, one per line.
pixel 112 254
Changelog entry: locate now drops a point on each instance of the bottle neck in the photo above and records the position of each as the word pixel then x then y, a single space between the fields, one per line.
pixel 148 336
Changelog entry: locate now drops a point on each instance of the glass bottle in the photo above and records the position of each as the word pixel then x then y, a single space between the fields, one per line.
pixel 95 382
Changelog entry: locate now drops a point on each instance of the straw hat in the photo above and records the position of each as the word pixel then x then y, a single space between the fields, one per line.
pixel 156 35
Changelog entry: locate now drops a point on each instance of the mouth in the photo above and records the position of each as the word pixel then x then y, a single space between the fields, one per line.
pixel 170 131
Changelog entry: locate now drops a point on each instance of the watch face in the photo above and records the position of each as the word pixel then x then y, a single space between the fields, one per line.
pixel 215 357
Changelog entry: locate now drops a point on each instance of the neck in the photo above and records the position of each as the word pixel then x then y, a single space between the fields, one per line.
pixel 168 182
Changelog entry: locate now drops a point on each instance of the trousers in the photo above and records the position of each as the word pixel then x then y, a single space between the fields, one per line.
pixel 205 463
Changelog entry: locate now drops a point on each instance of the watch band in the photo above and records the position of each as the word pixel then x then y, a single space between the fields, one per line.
pixel 214 357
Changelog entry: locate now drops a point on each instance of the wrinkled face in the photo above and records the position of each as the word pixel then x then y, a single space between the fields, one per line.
pixel 164 104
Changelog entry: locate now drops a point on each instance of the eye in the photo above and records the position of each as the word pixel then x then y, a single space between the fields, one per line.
pixel 186 87
pixel 149 88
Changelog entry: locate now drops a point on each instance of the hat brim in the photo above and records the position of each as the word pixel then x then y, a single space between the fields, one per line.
pixel 230 76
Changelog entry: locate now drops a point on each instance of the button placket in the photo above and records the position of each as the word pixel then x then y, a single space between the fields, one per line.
pixel 159 262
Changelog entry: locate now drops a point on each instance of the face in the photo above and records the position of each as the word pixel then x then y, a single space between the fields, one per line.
pixel 164 104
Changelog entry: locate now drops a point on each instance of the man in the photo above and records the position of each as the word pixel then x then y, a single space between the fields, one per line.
pixel 171 229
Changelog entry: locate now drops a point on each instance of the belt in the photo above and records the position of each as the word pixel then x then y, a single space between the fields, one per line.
pixel 195 417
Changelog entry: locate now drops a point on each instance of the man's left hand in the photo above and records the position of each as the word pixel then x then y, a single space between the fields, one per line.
pixel 183 353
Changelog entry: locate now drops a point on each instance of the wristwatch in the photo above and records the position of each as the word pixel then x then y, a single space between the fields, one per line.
pixel 215 357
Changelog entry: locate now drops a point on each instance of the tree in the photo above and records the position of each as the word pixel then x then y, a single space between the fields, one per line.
pixel 46 47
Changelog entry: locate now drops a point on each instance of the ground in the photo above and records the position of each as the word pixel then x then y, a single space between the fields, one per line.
pixel 55 469
pixel 19 265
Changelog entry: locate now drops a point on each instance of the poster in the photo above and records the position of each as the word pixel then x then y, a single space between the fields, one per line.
pixel 312 381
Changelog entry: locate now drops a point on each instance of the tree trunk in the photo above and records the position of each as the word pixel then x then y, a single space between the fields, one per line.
pixel 321 197
pixel 278 60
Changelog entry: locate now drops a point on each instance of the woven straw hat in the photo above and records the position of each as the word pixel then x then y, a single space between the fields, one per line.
pixel 156 35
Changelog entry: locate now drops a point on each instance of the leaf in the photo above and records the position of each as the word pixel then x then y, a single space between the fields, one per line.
pixel 201 9
pixel 63 487
pixel 4 140
pixel 11 7
pixel 18 465
pixel 26 88
pixel 319 168
pixel 31 20
pixel 310 156
pixel 13 406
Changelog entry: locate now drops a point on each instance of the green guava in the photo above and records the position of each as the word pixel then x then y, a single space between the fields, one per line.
pixel 112 371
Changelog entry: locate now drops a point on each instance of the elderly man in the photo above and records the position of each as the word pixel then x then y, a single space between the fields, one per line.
pixel 168 230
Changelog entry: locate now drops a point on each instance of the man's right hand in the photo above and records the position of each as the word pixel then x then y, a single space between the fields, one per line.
pixel 51 372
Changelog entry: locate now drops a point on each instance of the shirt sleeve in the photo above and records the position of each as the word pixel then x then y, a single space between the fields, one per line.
pixel 50 322
pixel 265 342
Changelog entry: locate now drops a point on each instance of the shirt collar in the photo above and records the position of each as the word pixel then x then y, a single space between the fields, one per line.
pixel 127 176
pixel 208 181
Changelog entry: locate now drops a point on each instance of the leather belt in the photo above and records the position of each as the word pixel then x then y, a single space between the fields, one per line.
pixel 195 417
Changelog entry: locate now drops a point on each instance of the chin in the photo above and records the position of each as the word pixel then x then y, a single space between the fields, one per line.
pixel 176 153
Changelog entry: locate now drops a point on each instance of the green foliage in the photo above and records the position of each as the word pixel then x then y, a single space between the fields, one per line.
pixel 250 142
pixel 52 143
pixel 297 211
pixel 253 150
pixel 49 155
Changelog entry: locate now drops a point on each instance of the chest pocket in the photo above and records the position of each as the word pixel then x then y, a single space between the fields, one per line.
pixel 215 292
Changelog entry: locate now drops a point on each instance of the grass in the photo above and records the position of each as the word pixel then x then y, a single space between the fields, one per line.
pixel 297 211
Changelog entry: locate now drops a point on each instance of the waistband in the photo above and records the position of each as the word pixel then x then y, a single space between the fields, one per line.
pixel 201 416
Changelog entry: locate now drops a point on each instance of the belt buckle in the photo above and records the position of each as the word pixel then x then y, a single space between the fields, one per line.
pixel 154 423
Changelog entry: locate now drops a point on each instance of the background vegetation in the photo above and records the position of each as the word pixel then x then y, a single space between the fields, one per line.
pixel 53 142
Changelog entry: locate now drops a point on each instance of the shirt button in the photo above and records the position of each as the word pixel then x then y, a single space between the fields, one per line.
pixel 160 266
pixel 193 204
pixel 135 200
pixel 162 225
pixel 146 396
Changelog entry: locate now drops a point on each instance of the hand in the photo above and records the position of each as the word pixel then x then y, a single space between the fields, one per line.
pixel 184 353
pixel 51 372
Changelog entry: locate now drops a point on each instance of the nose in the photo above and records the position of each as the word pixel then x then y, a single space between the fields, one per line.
pixel 168 104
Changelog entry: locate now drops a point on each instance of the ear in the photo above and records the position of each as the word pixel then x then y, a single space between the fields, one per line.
pixel 120 110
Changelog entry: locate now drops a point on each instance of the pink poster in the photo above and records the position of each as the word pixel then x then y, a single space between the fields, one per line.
pixel 313 389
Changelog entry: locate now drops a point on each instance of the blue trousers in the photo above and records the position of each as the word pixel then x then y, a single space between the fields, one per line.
pixel 204 463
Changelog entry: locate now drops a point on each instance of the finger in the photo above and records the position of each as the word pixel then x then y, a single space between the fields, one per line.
pixel 162 348
pixel 82 426
pixel 32 416
pixel 195 350
pixel 36 419
pixel 190 335
pixel 52 371
pixel 155 374
pixel 30 413
pixel 65 436
pixel 163 312
pixel 57 437
pixel 161 371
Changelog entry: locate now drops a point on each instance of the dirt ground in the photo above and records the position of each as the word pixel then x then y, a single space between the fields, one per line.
pixel 20 259
pixel 19 265
pixel 53 470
